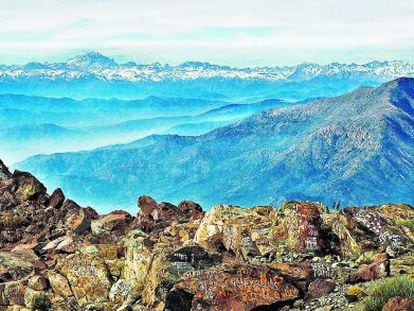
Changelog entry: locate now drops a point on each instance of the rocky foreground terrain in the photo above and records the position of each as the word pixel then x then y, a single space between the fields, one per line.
pixel 56 255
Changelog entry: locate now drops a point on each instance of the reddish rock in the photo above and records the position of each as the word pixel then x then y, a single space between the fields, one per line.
pixel 80 222
pixel 155 217
pixel 114 221
pixel 4 171
pixel 309 226
pixel 90 212
pixel 57 198
pixel 319 288
pixel 190 209
pixel 147 204
pixel 29 188
pixel 378 269
pixel 298 271
pixel 70 206
pixel 14 293
pixel 166 211
pixel 239 288
pixel 399 303
pixel 39 266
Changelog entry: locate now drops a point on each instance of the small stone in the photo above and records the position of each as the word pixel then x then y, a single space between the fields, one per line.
pixel 38 283
pixel 59 284
pixel 319 288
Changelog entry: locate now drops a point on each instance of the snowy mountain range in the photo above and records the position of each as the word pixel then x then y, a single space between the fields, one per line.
pixel 93 75
pixel 102 67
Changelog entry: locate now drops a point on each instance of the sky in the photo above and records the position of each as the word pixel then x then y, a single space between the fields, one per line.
pixel 238 33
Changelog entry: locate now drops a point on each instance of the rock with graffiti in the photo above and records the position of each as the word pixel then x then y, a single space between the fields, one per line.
pixel 292 257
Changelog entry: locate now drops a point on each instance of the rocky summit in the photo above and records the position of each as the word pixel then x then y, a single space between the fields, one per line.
pixel 57 255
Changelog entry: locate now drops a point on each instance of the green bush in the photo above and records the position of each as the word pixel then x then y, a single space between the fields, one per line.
pixel 40 303
pixel 380 292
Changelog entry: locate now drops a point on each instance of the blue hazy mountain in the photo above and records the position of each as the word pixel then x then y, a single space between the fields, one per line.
pixel 96 75
pixel 18 109
pixel 357 148
pixel 91 123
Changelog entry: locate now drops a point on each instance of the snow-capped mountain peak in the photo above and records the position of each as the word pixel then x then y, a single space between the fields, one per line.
pixel 101 67
pixel 92 60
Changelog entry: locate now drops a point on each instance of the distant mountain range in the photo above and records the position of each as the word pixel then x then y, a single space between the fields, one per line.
pixel 37 125
pixel 357 149
pixel 95 75
pixel 105 68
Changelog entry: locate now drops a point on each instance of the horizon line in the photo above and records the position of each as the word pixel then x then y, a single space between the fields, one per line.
pixel 121 63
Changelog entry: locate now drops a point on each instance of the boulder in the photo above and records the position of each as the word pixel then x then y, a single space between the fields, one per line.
pixel 244 232
pixel 29 188
pixel 403 264
pixel 15 266
pixel 190 209
pixel 14 293
pixel 147 205
pixel 30 296
pixel 4 171
pixel 119 291
pixel 57 198
pixel 80 221
pixel 62 244
pixel 138 258
pixel 38 283
pixel 88 277
pixel 114 221
pixel 303 224
pixel 372 230
pixel 299 271
pixel 378 269
pixel 261 231
pixel 59 284
pixel 154 217
pixel 399 303
pixel 320 287
pixel 236 288
pixel 195 256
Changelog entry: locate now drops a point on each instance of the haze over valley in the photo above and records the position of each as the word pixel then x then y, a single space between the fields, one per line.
pixel 103 131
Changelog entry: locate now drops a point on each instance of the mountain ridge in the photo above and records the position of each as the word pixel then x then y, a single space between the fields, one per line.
pixel 98 76
pixel 103 67
pixel 356 148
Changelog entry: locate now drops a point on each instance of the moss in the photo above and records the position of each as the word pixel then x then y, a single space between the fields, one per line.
pixel 380 292
pixel 40 303
pixel 406 223
pixel 27 191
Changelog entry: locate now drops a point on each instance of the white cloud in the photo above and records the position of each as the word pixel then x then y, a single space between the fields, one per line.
pixel 241 33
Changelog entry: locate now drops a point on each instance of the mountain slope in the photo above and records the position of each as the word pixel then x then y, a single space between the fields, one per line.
pixel 357 148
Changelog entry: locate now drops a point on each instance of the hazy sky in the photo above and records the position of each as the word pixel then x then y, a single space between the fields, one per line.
pixel 240 33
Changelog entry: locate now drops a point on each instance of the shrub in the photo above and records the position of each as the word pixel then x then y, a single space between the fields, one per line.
pixel 406 223
pixel 380 292
pixel 40 303
pixel 355 290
